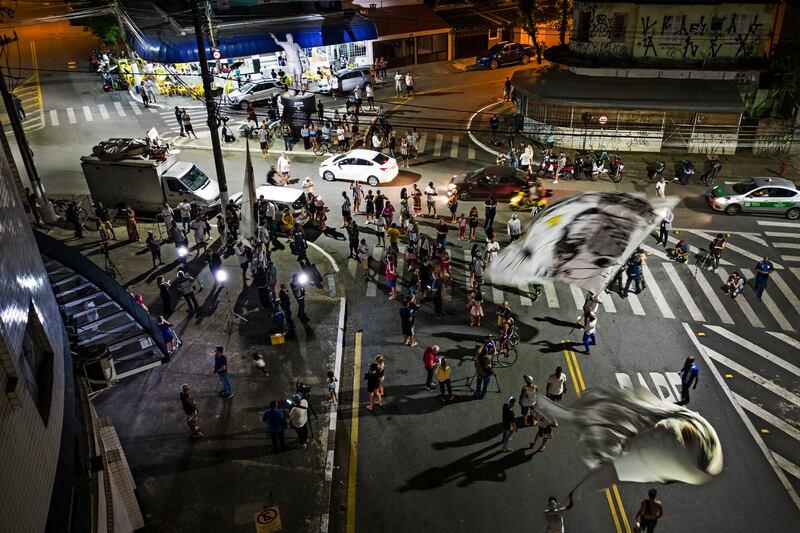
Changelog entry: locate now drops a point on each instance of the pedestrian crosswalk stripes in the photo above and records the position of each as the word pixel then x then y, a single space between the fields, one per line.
pixel 742 302
pixel 636 305
pixel 753 376
pixel 754 348
pixel 655 291
pixel 784 288
pixel 454 147
pixel 785 338
pixel 87 114
pixel 103 111
pixel 790 259
pixel 120 110
pixel 135 108
pixel 778 224
pixel 683 292
pixel 524 295
pixel 765 415
pixel 54 117
pixel 550 294
pixel 423 141
pixel 577 296
pixel 769 303
pixel 711 294
pixel 437 146
pixel 792 245
pixel 787 465
pixel 733 247
pixel 71 116
pixel 793 235
pixel 607 303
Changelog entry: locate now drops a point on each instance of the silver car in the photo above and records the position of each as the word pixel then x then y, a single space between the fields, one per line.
pixel 350 78
pixel 758 195
pixel 254 92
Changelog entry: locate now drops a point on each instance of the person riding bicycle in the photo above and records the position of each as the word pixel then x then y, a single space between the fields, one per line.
pixel 715 249
pixel 505 334
pixel 681 252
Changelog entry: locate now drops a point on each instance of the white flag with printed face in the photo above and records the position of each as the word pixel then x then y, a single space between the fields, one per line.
pixel 582 240
pixel 247 225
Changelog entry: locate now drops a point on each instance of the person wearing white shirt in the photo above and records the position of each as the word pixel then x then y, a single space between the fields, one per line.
pixel 398 83
pixel 661 187
pixel 167 214
pixel 298 418
pixel 376 142
pixel 525 161
pixel 199 229
pixel 409 84
pixel 589 330
pixel 263 139
pixel 186 214
pixel 370 93
pixel 492 249
pixel 514 228
pixel 666 225
pixel 430 196
pixel 556 385
pixel 308 186
pixel 284 166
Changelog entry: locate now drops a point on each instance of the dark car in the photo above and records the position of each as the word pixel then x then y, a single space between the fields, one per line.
pixel 505 53
pixel 503 182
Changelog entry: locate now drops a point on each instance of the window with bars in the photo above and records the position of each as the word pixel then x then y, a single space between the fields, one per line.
pixel 618 29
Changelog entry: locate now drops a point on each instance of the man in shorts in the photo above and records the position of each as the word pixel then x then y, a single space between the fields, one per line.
pixel 556 385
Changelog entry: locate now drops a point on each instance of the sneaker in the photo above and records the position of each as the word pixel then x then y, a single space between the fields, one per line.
pixel 508 450
pixel 228 396
pixel 222 392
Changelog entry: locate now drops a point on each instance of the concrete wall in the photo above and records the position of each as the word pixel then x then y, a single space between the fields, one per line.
pixel 29 444
pixel 594 139
pixel 675 33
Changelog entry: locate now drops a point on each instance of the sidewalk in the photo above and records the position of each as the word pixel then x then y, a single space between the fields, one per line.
pixel 218 482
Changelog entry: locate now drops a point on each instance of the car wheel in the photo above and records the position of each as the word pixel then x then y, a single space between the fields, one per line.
pixel 372 181
pixel 493 64
pixel 243 105
pixel 328 176
pixel 733 210
pixel 793 214
pixel 463 196
pixel 526 59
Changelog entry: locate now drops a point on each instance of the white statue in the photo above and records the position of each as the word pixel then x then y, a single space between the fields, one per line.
pixel 294 58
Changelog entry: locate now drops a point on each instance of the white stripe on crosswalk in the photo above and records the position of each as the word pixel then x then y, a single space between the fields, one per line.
pixel 103 111
pixel 454 147
pixel 712 297
pixel 795 271
pixel 788 259
pixel 792 245
pixel 768 417
pixel 732 247
pixel 655 290
pixel 792 235
pixel 152 109
pixel 786 464
pixel 784 288
pixel 577 295
pixel 135 107
pixel 524 295
pixel 744 305
pixel 785 338
pixel 769 303
pixel 423 140
pixel 437 145
pixel 752 237
pixel 470 152
pixel 71 116
pixel 696 251
pixel 636 305
pixel 752 376
pixel 652 251
pixel 607 303
pixel 550 294
pixel 120 111
pixel 87 114
pixel 758 350
pixel 669 268
pixel 54 117
pixel 779 224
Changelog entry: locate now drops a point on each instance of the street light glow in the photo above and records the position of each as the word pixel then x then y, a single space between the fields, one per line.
pixel 221 276
pixel 183 251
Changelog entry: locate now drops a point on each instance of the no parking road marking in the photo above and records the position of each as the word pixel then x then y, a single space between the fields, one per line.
pixel 268 520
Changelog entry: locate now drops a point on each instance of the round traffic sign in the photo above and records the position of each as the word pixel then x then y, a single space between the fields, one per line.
pixel 216 54
pixel 602 119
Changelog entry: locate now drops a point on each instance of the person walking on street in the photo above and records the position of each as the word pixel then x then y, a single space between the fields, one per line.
pixel 661 187
pixel 528 397
pixel 299 292
pixel 409 84
pixel 554 515
pixel 473 222
pixel 221 370
pixel 298 418
pixel 373 378
pixel 490 209
pixel 214 265
pixel 666 225
pixel 179 119
pixel 370 94
pixel 763 269
pixel 143 94
pixel 187 124
pixel 168 332
pixel 286 306
pixel 715 249
pixel 556 385
pixel 381 361
pixel 398 84
pixel 363 258
pixel 589 327
pixel 430 197
pixel 185 286
pixel 507 90
pixel 190 409
pixel 284 167
pixel 689 379
pixel 167 215
pixel 154 246
pixel 429 362
pixel 545 433
pixel 407 319
pixel 483 371
pixel 185 209
pixel 164 294
pixel 634 272
pixel 509 423
pixel 650 512
pixel 275 422
pixel 443 372
pixel 33 205
pixel 514 228
pixel 104 217
pixel 130 223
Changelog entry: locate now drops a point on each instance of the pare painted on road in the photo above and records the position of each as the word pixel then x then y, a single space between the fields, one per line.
pixel 666 385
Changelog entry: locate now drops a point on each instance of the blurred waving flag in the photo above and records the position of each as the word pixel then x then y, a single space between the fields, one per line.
pixel 247 226
pixel 582 240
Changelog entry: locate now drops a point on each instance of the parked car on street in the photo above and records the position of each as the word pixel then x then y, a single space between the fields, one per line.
pixel 502 182
pixel 360 165
pixel 349 79
pixel 757 195
pixel 505 53
pixel 254 92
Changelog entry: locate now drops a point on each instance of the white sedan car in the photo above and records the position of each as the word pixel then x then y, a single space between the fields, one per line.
pixel 360 165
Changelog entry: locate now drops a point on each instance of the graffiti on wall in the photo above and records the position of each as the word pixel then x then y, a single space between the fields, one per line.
pixel 599 48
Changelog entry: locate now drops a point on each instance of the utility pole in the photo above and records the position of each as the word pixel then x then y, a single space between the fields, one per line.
pixel 134 65
pixel 211 108
pixel 211 38
pixel 48 215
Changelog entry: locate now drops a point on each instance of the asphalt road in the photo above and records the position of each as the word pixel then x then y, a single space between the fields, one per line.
pixel 426 466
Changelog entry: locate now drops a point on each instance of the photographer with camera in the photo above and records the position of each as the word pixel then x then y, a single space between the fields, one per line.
pixel 298 418
pixel 715 249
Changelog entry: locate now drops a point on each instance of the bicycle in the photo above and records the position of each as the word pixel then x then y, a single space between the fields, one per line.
pixel 504 354
pixel 324 147
pixel 60 206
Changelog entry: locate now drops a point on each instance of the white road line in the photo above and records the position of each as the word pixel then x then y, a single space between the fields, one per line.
pixel 655 290
pixel 636 305
pixel 54 117
pixel 103 111
pixel 779 224
pixel 795 271
pixel 788 258
pixel 524 294
pixel 787 465
pixel 152 109
pixel 653 251
pixel 120 111
pixel 752 376
pixel 454 147
pixel 71 116
pixel 732 247
pixel 768 417
pixel 683 292
pixel 423 140
pixel 758 350
pixel 784 288
pixel 780 318
pixel 607 302
pixel 785 338
pixel 752 237
pixel 437 145
pixel 578 296
pixel 87 114
pixel 712 297
pixel 470 152
pixel 744 305
pixel 792 245
pixel 135 108
pixel 334 266
pixel 550 294
pixel 792 235
pixel 745 420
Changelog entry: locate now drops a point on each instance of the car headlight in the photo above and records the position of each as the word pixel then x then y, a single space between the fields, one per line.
pixel 721 201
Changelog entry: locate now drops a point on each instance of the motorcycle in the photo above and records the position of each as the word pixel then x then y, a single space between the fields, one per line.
pixel 577 170
pixel 655 172
pixel 528 200
pixel 598 167
pixel 685 172
pixel 548 165
pixel 617 166
pixel 710 175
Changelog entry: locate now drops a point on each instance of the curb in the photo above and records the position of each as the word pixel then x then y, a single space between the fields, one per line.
pixel 472 136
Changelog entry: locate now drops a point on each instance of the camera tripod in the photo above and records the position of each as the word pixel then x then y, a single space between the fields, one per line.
pixel 232 318
pixel 701 263
pixel 108 265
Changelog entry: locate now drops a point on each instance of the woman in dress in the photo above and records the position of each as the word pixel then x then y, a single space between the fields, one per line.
pixel 416 195
pixel 382 368
pixel 475 307
pixel 473 222
pixel 163 293
pixel 168 333
pixel 407 318
pixel 130 224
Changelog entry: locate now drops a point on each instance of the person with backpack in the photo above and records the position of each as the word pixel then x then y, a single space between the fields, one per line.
pixel 650 512
pixel 185 285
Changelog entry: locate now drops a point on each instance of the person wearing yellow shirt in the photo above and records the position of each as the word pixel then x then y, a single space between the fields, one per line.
pixel 288 221
pixel 394 234
pixel 443 375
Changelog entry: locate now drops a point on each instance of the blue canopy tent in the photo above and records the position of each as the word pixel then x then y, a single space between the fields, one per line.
pixel 163 45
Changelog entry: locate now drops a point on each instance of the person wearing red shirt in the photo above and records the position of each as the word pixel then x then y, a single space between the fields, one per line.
pixel 429 360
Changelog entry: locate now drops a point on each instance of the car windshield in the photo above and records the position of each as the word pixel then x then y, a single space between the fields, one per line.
pixel 194 179
pixel 246 87
pixel 338 158
pixel 472 177
pixel 380 159
pixel 743 187
pixel 496 48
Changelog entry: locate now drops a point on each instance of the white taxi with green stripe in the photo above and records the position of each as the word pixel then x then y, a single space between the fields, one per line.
pixel 757 195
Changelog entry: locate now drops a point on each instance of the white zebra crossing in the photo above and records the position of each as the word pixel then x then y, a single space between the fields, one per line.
pixel 655 291
pixel 87 114
pixel 785 338
pixel 53 117
pixel 437 145
pixel 683 292
pixel 732 247
pixel 756 349
pixel 103 111
pixel 71 116
pixel 779 224
pixel 753 376
pixel 120 110
pixel 780 318
pixel 135 107
pixel 454 147
pixel 550 294
pixel 744 305
pixel 712 297
pixel 423 141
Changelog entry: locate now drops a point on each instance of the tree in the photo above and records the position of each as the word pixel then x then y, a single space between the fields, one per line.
pixel 106 29
pixel 784 67
pixel 527 14
pixel 565 7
